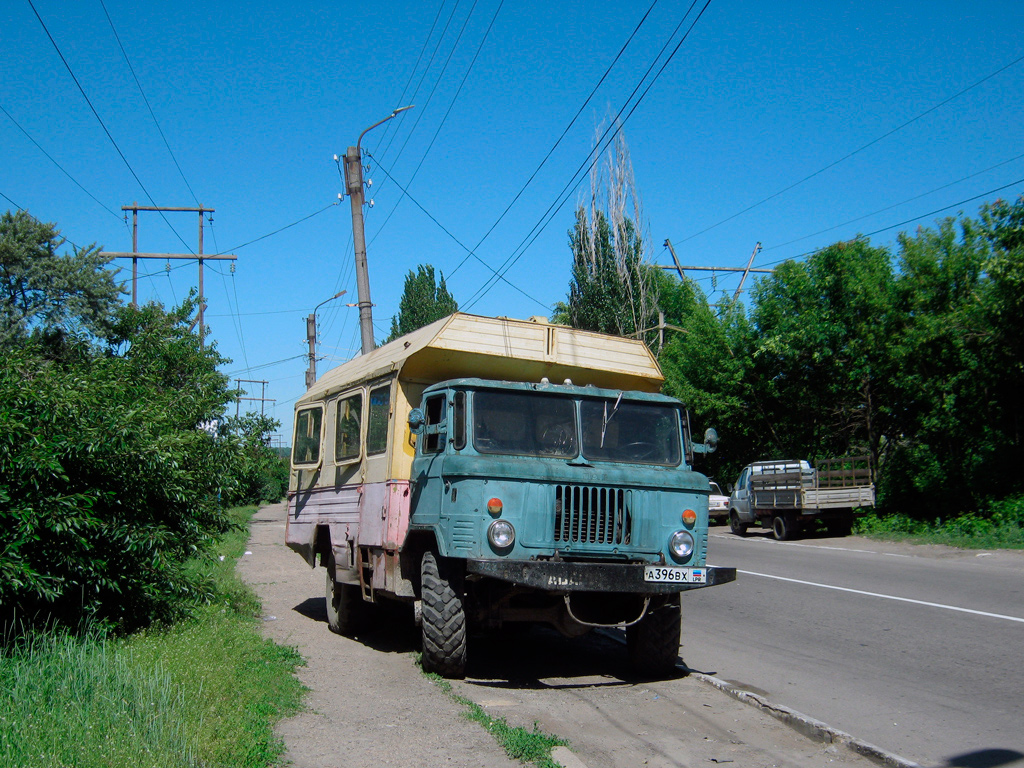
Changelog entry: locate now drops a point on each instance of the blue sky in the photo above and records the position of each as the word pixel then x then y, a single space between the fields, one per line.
pixel 919 102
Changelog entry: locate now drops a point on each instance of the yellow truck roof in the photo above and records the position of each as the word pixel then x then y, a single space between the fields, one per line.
pixel 463 345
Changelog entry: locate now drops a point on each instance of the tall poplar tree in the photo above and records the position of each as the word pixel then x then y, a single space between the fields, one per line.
pixel 423 301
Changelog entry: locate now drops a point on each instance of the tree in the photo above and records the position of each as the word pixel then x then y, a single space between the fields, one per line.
pixel 957 375
pixel 43 291
pixel 705 366
pixel 423 301
pixel 613 289
pixel 819 358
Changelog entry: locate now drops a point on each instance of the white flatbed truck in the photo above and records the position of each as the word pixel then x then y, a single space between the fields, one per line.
pixel 790 496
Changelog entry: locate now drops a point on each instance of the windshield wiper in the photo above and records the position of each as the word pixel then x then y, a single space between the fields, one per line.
pixel 607 417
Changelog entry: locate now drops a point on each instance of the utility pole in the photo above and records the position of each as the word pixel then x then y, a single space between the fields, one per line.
pixel 354 188
pixel 261 399
pixel 311 338
pixel 135 255
pixel 745 270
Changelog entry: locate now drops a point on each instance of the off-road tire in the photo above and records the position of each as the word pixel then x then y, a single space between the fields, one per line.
pixel 443 619
pixel 740 529
pixel 653 642
pixel 346 610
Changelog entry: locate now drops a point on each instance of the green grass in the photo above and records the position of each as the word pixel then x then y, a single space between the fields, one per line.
pixel 520 744
pixel 204 692
pixel 1000 527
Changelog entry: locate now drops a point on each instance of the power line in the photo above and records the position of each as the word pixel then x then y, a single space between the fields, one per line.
pixel 906 221
pixel 40 221
pixel 60 167
pixel 556 206
pixel 282 229
pixel 858 150
pixel 450 105
pixel 102 124
pixel 563 134
pixel 444 229
pixel 148 106
pixel 423 111
pixel 896 205
pixel 395 124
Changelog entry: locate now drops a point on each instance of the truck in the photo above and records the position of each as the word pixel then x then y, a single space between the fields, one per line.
pixel 488 471
pixel 790 497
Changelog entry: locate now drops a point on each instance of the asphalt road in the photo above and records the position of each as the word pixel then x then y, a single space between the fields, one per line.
pixel 918 650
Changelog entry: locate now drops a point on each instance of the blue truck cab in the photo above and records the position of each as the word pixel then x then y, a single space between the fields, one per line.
pixel 572 505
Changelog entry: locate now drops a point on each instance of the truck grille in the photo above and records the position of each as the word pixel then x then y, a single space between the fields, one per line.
pixel 589 515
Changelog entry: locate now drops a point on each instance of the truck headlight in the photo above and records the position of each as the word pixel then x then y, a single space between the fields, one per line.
pixel 681 544
pixel 502 535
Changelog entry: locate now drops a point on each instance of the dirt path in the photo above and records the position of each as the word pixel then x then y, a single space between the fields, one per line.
pixel 369 704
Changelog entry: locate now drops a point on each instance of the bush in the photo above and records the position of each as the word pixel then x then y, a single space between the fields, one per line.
pixel 107 483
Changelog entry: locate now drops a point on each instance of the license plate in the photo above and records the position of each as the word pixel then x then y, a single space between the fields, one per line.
pixel 674 575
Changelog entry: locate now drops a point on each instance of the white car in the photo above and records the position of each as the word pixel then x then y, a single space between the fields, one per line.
pixel 718 504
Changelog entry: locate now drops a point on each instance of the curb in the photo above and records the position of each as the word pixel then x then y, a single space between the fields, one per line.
pixel 803 724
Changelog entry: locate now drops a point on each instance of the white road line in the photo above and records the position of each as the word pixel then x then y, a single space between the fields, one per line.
pixel 886 597
pixel 773 542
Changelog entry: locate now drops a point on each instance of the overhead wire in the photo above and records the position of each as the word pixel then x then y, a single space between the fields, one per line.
pixel 565 131
pixel 595 153
pixel 393 126
pixel 451 104
pixel 866 235
pixel 152 114
pixel 462 245
pixel 277 231
pixel 61 168
pixel 103 125
pixel 423 110
pixel 895 205
pixel 857 151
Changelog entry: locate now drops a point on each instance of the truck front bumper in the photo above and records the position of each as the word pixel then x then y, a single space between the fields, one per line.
pixel 562 576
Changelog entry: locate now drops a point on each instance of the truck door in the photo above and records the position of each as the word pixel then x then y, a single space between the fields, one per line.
pixel 741 496
pixel 427 467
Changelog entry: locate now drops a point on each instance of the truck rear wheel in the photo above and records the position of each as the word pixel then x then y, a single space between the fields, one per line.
pixel 783 527
pixel 735 525
pixel 653 642
pixel 346 611
pixel 443 619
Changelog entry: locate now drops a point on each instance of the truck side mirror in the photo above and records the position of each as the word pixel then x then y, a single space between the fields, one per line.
pixel 416 420
pixel 710 440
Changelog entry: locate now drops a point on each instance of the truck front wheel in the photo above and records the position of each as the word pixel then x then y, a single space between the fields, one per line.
pixel 653 642
pixel 735 525
pixel 443 619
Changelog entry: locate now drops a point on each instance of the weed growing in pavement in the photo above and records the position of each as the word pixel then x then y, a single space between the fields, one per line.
pixel 520 744
pixel 204 692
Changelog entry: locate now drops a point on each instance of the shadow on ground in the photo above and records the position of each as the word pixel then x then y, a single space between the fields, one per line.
pixel 516 656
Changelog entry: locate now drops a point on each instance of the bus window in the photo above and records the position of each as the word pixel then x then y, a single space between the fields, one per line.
pixel 306 445
pixel 377 424
pixel 346 433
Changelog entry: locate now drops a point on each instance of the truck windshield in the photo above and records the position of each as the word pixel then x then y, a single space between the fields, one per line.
pixel 641 433
pixel 524 424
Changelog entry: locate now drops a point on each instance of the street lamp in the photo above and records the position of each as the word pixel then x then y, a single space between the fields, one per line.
pixel 354 187
pixel 311 337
